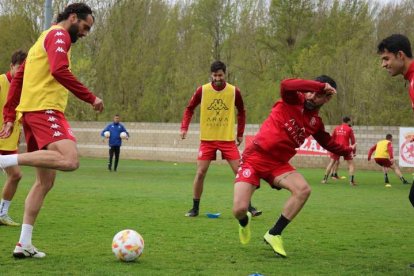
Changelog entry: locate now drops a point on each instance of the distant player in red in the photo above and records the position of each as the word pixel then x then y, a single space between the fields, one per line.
pixel 384 156
pixel 397 59
pixel 343 135
pixel 292 119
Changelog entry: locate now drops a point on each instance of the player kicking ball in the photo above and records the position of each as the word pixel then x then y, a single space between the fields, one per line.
pixel 293 118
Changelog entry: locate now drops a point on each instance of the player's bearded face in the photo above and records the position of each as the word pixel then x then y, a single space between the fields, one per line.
pixel 315 100
pixel 217 78
pixel 74 32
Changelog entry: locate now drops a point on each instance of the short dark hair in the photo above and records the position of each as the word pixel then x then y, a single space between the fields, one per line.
pixel 218 65
pixel 18 57
pixel 395 43
pixel 388 136
pixel 81 9
pixel 346 119
pixel 326 79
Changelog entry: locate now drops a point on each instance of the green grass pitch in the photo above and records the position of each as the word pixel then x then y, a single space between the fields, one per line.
pixel 366 230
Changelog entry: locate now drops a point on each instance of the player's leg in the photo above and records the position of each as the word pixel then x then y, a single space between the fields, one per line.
pixel 328 171
pixel 13 177
pixel 398 173
pixel 243 192
pixel 111 157
pixel 335 169
pixel 45 179
pixel 411 195
pixel 386 180
pixel 300 192
pixel 234 164
pixel 351 170
pixel 117 152
pixel 198 184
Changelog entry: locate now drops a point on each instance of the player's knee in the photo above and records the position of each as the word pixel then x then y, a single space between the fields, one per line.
pixel 239 210
pixel 15 176
pixel 303 192
pixel 70 165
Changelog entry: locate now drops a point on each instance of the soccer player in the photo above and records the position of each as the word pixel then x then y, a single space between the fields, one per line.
pixel 397 59
pixel 10 145
pixel 218 100
pixel 344 135
pixel 114 140
pixel 293 118
pixel 384 156
pixel 40 92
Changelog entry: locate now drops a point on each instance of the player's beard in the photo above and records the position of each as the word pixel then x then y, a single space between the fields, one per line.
pixel 218 83
pixel 73 32
pixel 311 106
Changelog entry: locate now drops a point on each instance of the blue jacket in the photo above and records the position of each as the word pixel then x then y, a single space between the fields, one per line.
pixel 115 129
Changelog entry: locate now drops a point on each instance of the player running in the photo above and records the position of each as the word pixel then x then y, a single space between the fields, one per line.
pixel 293 118
pixel 384 156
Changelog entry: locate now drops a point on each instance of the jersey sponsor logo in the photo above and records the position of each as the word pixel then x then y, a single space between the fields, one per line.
pixel 295 132
pixel 60 50
pixel 70 131
pixel 60 41
pixel 217 105
pixel 200 153
pixel 59 33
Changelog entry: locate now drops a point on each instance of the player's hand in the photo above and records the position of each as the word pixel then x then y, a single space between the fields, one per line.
pixel 353 147
pixel 183 134
pixel 239 141
pixel 98 105
pixel 329 90
pixel 6 130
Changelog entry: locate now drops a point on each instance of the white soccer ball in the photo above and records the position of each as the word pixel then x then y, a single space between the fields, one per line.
pixel 127 245
pixel 123 135
pixel 107 134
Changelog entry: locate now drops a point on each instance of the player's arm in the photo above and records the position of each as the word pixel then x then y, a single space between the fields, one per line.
pixel 352 139
pixel 57 44
pixel 289 89
pixel 13 100
pixel 189 111
pixel 371 150
pixel 390 151
pixel 241 116
pixel 328 143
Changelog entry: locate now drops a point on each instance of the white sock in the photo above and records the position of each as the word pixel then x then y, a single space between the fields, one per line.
pixel 4 207
pixel 8 161
pixel 26 235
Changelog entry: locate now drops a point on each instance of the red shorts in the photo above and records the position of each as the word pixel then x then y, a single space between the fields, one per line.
pixel 7 152
pixel 42 128
pixel 208 149
pixel 337 157
pixel 383 162
pixel 256 165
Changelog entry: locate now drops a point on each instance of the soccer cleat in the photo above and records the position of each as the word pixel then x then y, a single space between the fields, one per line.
pixel 323 181
pixel 405 182
pixel 342 177
pixel 27 252
pixel 335 177
pixel 254 211
pixel 192 213
pixel 6 220
pixel 352 183
pixel 276 243
pixel 388 185
pixel 244 232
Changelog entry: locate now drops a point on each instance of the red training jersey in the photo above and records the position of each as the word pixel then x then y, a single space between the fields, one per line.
pixel 196 100
pixel 410 77
pixel 289 123
pixel 343 134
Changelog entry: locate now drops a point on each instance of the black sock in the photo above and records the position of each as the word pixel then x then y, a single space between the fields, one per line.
pixel 352 178
pixel 281 223
pixel 386 178
pixel 403 179
pixel 196 203
pixel 325 177
pixel 411 196
pixel 332 174
pixel 243 222
pixel 336 174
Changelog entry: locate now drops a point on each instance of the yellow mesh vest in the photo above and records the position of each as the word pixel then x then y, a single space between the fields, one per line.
pixel 11 143
pixel 40 89
pixel 217 113
pixel 382 149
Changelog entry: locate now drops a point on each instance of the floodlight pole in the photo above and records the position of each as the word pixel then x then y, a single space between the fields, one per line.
pixel 48 12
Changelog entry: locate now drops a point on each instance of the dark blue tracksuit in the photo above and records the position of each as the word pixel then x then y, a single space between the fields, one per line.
pixel 115 142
